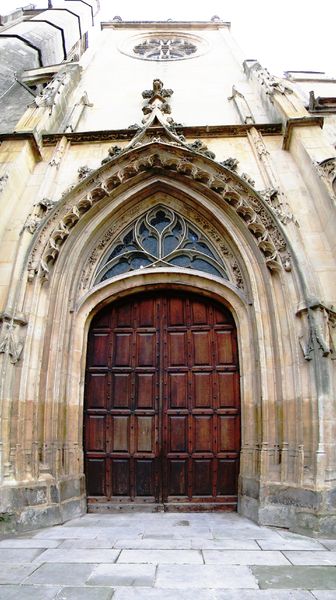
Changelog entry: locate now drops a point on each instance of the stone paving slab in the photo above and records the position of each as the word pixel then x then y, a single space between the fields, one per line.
pixel 28 592
pixel 263 595
pixel 74 555
pixel 86 544
pixel 15 573
pixel 149 544
pixel 161 556
pixel 330 544
pixel 72 561
pixel 241 534
pixel 29 543
pixel 212 594
pixel 204 576
pixel 176 534
pixel 157 594
pixel 244 557
pixel 290 544
pixel 19 555
pixel 85 593
pixel 123 575
pixel 320 578
pixel 63 533
pixel 61 573
pixel 308 557
pixel 225 544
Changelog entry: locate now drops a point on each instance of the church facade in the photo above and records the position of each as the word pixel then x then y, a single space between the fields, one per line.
pixel 167 282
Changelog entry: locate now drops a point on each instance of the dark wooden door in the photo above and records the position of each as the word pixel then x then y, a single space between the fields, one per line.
pixel 162 412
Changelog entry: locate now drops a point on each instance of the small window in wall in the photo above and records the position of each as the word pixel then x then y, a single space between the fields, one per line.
pixel 161 238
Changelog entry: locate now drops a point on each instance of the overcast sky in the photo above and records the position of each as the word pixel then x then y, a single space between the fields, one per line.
pixel 283 35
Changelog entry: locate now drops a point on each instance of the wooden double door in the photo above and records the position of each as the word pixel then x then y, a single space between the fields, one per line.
pixel 162 411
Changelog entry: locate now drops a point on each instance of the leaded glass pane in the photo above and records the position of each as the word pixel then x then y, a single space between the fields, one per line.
pixel 161 238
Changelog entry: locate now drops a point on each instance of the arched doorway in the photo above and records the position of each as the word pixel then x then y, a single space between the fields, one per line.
pixel 162 409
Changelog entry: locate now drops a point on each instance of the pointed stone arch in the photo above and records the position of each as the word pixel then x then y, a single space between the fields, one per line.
pixel 157 158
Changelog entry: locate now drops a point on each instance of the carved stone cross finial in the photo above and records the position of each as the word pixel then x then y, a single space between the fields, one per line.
pixel 156 100
pixel 157 91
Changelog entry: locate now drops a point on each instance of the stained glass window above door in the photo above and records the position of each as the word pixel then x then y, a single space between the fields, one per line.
pixel 161 238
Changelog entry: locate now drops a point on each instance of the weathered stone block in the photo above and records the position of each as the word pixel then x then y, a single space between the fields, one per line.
pixel 72 509
pixel 70 488
pixel 250 487
pixel 293 497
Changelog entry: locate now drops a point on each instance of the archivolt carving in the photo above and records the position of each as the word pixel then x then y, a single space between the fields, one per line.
pixel 158 158
pixel 327 171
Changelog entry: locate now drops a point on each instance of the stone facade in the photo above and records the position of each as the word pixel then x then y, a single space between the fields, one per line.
pixel 249 163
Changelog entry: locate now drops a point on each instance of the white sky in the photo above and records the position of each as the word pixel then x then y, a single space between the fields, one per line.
pixel 282 35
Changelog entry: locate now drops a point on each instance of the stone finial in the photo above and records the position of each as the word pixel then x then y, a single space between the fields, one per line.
pixel 156 104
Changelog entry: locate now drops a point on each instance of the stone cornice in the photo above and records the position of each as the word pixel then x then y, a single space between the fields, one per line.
pixel 159 25
pixel 205 131
pixel 300 122
pixel 25 135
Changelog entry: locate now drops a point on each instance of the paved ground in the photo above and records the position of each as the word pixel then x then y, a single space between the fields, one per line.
pixel 166 556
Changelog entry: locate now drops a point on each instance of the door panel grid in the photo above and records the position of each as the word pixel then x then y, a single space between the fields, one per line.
pixel 162 418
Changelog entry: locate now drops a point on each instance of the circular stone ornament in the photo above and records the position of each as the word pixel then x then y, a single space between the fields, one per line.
pixel 164 46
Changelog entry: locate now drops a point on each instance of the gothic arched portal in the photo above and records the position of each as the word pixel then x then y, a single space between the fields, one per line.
pixel 162 406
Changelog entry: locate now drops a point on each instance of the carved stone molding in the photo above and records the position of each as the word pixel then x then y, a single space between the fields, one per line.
pixel 157 90
pixel 273 194
pixel 319 330
pixel 230 163
pixel 269 83
pixel 58 154
pixel 194 131
pixel 248 179
pixel 54 89
pixel 273 198
pixel 163 158
pixel 199 146
pixel 83 172
pixel 3 182
pixel 327 172
pixel 156 99
pixel 113 151
pixel 39 212
pixel 11 342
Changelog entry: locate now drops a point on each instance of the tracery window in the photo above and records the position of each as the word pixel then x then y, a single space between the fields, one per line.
pixel 161 48
pixel 161 238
